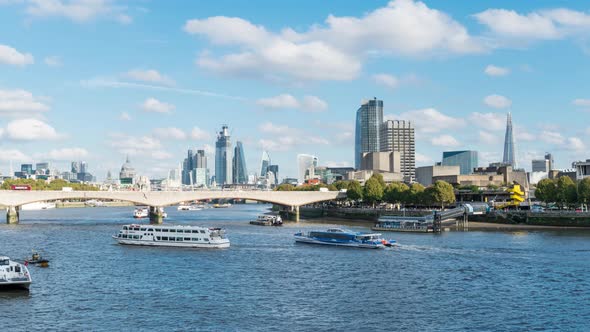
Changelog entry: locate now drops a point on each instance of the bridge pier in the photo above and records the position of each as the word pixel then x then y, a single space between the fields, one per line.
pixel 12 214
pixel 156 215
pixel 296 208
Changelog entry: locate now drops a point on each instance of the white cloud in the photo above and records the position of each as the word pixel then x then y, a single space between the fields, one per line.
pixel 78 11
pixel 10 56
pixel 53 61
pixel 386 80
pixel 199 134
pixel 132 145
pixel 334 51
pixel 170 133
pixel 490 121
pixel 124 116
pixel 486 137
pixel 582 102
pixel 337 164
pixel 307 104
pixel 423 159
pixel 63 154
pixel 19 102
pixel 429 120
pixel 13 155
pixel 445 141
pixel 160 155
pixel 29 130
pixel 271 128
pixel 154 105
pixel 150 76
pixel 552 137
pixel 492 70
pixel 576 144
pixel 209 149
pixel 497 101
pixel 538 25
pixel 286 138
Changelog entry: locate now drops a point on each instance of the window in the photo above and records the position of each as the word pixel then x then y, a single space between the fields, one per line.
pixel 187 238
pixel 158 238
pixel 124 228
pixel 172 231
pixel 205 239
pixel 124 236
pixel 178 239
pixel 165 230
pixel 187 230
pixel 195 231
pixel 142 229
pixel 164 238
pixel 202 231
pixel 150 229
pixel 17 268
pixel 195 239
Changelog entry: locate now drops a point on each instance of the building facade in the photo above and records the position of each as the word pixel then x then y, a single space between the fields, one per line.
pixel 127 175
pixel 306 165
pixel 369 118
pixel 540 165
pixel 239 170
pixel 223 157
pixel 273 174
pixel 426 174
pixel 398 136
pixel 466 160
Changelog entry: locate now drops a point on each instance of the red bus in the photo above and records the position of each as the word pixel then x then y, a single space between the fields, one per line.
pixel 20 187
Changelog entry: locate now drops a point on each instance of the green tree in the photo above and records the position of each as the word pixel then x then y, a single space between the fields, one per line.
pixel 354 191
pixel 379 178
pixel 373 191
pixel 584 191
pixel 442 193
pixel 415 193
pixel 546 191
pixel 285 187
pixel 332 187
pixel 396 192
pixel 341 184
pixel 567 191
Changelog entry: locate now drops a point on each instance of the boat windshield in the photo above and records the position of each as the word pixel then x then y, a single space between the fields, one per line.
pixel 4 262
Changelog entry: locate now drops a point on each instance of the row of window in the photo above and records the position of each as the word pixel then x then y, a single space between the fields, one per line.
pixel 165 230
pixel 163 238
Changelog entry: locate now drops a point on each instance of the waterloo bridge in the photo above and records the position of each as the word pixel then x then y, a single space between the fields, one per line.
pixel 14 199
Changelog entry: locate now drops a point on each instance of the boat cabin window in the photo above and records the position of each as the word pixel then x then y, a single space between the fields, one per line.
pixel 187 238
pixel 124 228
pixel 4 262
pixel 172 231
pixel 202 231
pixel 195 231
pixel 195 239
pixel 164 238
pixel 150 229
pixel 187 230
pixel 17 268
pixel 164 230
pixel 142 229
pixel 205 239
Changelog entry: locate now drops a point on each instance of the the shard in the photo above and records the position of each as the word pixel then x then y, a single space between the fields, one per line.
pixel 509 155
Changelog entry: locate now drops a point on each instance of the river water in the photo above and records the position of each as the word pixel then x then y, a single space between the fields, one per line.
pixel 457 281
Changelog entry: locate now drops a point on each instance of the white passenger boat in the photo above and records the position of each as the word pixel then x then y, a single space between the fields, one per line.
pixel 172 236
pixel 346 238
pixel 141 212
pixel 13 275
pixel 267 220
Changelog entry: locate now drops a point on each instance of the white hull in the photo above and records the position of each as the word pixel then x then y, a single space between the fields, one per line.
pixel 303 239
pixel 217 245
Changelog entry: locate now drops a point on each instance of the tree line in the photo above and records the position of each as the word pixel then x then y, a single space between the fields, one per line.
pixel 57 184
pixel 563 191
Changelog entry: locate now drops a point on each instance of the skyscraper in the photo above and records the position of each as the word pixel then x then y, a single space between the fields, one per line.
pixel 194 169
pixel 306 165
pixel 200 159
pixel 509 158
pixel 549 156
pixel 264 163
pixel 223 157
pixel 273 174
pixel 398 136
pixel 466 160
pixel 239 171
pixel 369 118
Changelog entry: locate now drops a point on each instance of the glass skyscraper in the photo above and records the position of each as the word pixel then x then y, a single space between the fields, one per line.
pixel 239 171
pixel 264 163
pixel 509 154
pixel 223 157
pixel 306 165
pixel 466 160
pixel 369 118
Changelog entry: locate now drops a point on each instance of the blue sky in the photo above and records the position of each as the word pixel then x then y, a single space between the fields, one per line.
pixel 95 80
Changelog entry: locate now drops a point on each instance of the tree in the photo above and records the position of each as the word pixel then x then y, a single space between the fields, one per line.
pixel 341 184
pixel 442 193
pixel 332 187
pixel 379 178
pixel 546 191
pixel 567 191
pixel 354 191
pixel 395 192
pixel 285 187
pixel 584 191
pixel 415 193
pixel 373 191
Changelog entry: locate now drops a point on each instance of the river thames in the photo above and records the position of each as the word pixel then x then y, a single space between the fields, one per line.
pixel 457 281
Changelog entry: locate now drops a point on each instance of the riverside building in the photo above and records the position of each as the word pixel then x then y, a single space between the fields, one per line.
pixel 398 136
pixel 369 118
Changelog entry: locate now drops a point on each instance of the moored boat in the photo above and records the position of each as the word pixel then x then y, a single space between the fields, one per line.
pixel 267 220
pixel 13 275
pixel 141 212
pixel 404 224
pixel 172 236
pixel 221 205
pixel 345 238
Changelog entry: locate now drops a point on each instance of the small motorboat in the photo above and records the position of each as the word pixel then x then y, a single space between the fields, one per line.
pixel 37 260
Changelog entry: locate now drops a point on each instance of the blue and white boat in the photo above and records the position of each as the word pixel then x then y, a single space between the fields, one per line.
pixel 345 238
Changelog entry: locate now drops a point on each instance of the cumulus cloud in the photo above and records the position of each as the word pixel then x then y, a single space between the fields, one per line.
pixel 552 137
pixel 10 56
pixel 576 144
pixel 306 104
pixel 335 50
pixel 63 154
pixel 13 155
pixel 497 101
pixel 199 134
pixel 133 145
pixel 20 102
pixel 445 141
pixel 423 159
pixel 149 75
pixel 29 129
pixel 170 133
pixel 154 105
pixel 78 11
pixel 386 80
pixel 429 120
pixel 486 137
pixel 160 155
pixel 491 121
pixel 124 116
pixel 492 70
pixel 53 61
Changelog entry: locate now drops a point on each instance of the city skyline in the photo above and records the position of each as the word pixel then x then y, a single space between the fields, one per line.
pixel 139 82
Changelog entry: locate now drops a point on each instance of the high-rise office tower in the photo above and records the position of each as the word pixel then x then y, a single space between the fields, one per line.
pixel 75 167
pixel 239 171
pixel 540 165
pixel 83 167
pixel 264 163
pixel 509 155
pixel 200 159
pixel 369 118
pixel 466 160
pixel 549 157
pixel 223 157
pixel 398 136
pixel 306 165
pixel 273 174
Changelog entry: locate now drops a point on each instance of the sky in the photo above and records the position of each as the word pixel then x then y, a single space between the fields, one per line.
pixel 97 80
